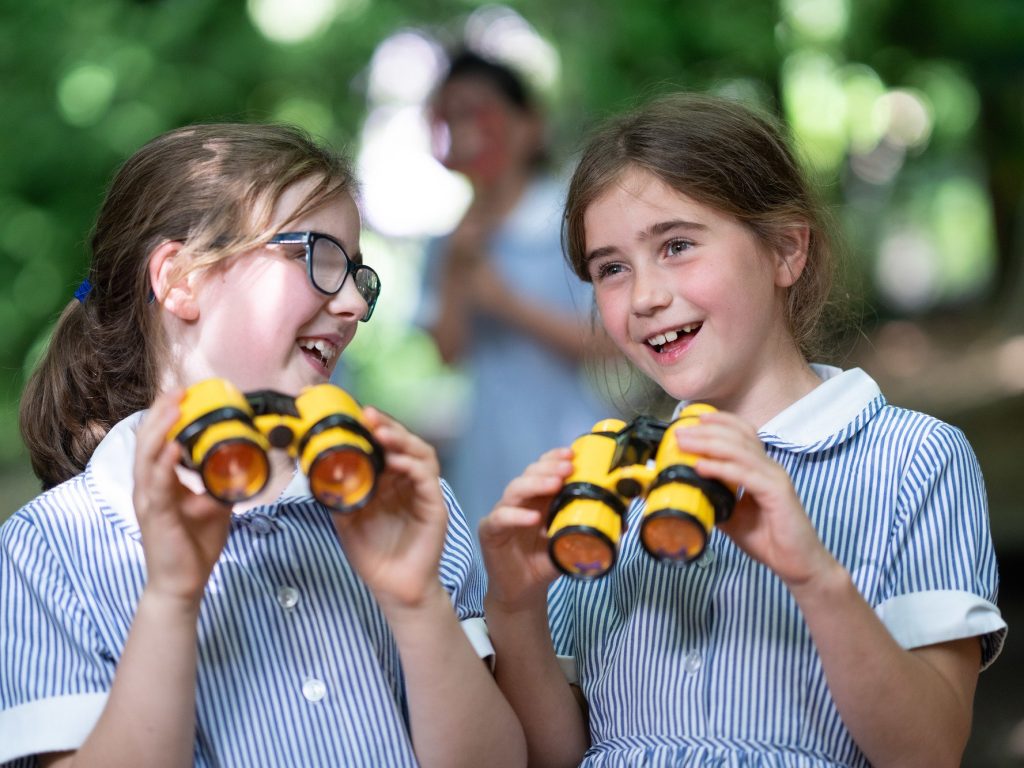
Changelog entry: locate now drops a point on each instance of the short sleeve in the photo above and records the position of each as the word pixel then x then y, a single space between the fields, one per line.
pixel 54 670
pixel 463 576
pixel 942 581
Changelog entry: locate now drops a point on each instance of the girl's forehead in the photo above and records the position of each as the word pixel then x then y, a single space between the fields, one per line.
pixel 638 190
pixel 293 199
pixel 299 203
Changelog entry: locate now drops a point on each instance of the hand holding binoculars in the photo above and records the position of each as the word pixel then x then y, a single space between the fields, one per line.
pixel 227 434
pixel 612 464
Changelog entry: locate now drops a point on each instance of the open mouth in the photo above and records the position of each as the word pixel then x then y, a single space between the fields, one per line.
pixel 660 342
pixel 323 351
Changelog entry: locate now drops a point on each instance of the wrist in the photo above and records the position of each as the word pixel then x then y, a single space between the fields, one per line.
pixel 828 581
pixel 411 604
pixel 534 608
pixel 169 606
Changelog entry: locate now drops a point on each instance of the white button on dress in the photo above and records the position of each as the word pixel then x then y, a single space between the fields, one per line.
pixel 314 689
pixel 693 662
pixel 706 559
pixel 288 597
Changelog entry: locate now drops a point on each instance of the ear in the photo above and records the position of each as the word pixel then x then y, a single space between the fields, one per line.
pixel 172 288
pixel 791 255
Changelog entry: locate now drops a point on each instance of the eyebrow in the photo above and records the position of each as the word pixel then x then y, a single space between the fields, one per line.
pixel 658 228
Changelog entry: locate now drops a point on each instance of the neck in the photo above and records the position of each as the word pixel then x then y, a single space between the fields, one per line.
pixel 784 377
pixel 503 191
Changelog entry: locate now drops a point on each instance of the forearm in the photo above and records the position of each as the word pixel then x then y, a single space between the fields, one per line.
pixel 528 674
pixel 899 708
pixel 450 329
pixel 560 331
pixel 457 714
pixel 149 718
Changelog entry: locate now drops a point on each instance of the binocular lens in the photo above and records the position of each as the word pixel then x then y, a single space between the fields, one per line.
pixel 583 536
pixel 342 478
pixel 235 470
pixel 582 553
pixel 673 537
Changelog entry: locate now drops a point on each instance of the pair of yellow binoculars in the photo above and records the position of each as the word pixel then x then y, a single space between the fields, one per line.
pixel 616 462
pixel 227 434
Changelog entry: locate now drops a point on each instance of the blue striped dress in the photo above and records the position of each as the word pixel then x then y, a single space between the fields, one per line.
pixel 297 665
pixel 713 665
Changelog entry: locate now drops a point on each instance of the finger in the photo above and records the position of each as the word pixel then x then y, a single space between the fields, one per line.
pixel 374 417
pixel 531 489
pixel 561 453
pixel 503 519
pixel 161 416
pixel 561 468
pixel 412 470
pixel 199 506
pixel 726 417
pixel 395 438
pixel 756 480
pixel 718 442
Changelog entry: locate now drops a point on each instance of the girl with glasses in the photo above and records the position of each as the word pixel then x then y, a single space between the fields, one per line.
pixel 144 622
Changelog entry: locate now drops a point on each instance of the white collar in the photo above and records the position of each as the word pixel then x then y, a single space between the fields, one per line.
pixel 825 411
pixel 112 469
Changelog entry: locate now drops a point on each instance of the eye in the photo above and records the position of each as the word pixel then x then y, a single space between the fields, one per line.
pixel 677 246
pixel 600 272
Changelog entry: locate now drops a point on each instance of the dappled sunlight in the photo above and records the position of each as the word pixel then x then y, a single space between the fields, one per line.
pixel 285 21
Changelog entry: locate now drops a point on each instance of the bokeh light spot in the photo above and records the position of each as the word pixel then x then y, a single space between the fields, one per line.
pixel 818 20
pixel 84 94
pixel 285 21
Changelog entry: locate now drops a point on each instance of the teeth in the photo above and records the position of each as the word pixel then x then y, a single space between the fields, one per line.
pixel 661 339
pixel 325 349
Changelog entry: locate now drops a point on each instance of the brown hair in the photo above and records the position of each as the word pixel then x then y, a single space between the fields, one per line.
pixel 212 187
pixel 728 157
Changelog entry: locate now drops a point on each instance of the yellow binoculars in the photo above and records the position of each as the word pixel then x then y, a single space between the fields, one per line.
pixel 616 462
pixel 227 434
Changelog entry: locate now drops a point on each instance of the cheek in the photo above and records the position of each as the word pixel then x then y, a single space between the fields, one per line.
pixel 613 311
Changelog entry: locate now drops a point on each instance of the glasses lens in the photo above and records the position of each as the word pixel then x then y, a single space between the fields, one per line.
pixel 330 265
pixel 368 285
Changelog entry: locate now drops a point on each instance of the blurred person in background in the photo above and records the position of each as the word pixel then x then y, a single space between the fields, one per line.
pixel 499 299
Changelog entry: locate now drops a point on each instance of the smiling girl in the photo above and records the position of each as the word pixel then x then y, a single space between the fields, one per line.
pixel 145 624
pixel 840 617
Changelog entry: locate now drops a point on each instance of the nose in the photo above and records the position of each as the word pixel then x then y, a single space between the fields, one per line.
pixel 348 302
pixel 650 291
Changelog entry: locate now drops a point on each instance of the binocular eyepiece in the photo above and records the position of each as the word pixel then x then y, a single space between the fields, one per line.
pixel 616 462
pixel 226 436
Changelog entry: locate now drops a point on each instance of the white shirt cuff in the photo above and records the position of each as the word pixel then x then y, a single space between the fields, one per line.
pixel 476 630
pixel 568 666
pixel 924 618
pixel 56 724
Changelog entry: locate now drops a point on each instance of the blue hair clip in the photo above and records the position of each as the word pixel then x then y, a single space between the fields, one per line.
pixel 83 290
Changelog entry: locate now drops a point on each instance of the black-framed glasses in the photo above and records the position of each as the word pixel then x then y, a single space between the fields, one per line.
pixel 328 266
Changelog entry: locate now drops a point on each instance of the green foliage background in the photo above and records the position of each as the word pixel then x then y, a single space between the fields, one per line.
pixel 83 84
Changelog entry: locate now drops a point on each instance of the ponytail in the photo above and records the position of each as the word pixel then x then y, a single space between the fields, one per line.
pixel 89 378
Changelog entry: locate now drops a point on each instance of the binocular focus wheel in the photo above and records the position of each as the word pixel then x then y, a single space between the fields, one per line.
pixel 235 470
pixel 673 536
pixel 582 552
pixel 342 478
